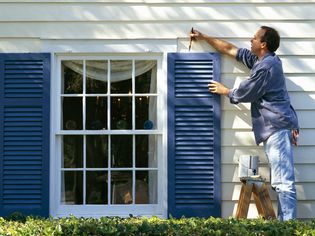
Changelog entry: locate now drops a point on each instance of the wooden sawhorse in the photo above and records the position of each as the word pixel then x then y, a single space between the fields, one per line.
pixel 257 186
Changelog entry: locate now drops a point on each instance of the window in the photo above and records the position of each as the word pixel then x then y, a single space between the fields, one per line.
pixel 109 136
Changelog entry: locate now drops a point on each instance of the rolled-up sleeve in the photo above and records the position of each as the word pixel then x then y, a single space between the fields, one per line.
pixel 250 89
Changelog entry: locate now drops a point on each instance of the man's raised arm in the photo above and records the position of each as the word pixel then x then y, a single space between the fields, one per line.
pixel 219 44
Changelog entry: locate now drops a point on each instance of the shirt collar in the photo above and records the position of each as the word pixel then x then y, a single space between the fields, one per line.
pixel 267 55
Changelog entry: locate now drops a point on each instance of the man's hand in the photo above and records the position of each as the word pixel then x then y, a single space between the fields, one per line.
pixel 218 88
pixel 220 45
pixel 196 35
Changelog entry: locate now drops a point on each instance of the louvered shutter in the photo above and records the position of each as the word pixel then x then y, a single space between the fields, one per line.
pixel 24 133
pixel 193 135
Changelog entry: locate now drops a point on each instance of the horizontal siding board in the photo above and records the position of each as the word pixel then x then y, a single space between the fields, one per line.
pixel 230 155
pixel 291 65
pixel 306 119
pixel 238 120
pixel 303 100
pixel 152 30
pixel 305 154
pixel 161 1
pixel 246 138
pixel 288 46
pixel 303 173
pixel 300 101
pixel 237 138
pixel 127 12
pixel 295 82
pixel 291 46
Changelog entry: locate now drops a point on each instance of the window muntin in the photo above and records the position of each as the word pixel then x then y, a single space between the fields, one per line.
pixel 118 98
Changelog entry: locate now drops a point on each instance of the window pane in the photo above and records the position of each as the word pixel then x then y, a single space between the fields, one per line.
pixel 121 114
pixel 146 112
pixel 71 187
pixel 146 187
pixel 96 151
pixel 121 148
pixel 120 77
pixel 96 187
pixel 146 151
pixel 96 76
pixel 72 156
pixel 145 76
pixel 72 113
pixel 121 187
pixel 71 74
pixel 96 113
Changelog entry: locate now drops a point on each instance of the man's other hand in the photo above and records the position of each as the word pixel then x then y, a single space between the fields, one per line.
pixel 218 88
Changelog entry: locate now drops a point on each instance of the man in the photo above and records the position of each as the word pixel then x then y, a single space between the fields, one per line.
pixel 274 120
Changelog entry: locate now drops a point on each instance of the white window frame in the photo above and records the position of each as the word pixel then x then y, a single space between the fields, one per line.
pixel 59 210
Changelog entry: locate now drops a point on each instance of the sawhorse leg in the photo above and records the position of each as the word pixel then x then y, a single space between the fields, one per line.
pixel 244 200
pixel 261 197
pixel 263 201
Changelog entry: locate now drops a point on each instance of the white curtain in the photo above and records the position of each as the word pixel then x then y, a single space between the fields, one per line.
pixel 120 70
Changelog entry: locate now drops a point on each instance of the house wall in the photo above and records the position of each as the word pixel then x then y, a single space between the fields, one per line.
pixel 90 26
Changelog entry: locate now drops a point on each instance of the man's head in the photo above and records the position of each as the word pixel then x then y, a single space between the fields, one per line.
pixel 265 39
pixel 271 37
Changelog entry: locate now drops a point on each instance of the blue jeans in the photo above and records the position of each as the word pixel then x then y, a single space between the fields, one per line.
pixel 278 149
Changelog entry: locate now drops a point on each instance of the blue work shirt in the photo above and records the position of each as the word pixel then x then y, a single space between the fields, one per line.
pixel 266 91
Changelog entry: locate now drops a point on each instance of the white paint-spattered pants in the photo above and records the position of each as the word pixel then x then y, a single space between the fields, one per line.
pixel 278 149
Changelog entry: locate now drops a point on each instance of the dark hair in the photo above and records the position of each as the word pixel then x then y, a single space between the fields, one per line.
pixel 271 37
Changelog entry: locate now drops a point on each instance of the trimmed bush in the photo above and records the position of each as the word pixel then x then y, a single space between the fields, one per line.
pixel 32 226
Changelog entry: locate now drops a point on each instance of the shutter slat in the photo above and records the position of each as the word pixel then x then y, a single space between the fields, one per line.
pixel 27 87
pixel 25 186
pixel 24 113
pixel 193 135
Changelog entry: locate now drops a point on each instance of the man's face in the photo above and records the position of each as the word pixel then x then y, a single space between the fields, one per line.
pixel 256 44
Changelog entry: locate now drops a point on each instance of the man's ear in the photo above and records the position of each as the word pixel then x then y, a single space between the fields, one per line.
pixel 263 45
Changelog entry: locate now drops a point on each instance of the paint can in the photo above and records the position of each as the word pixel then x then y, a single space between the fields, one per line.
pixel 248 166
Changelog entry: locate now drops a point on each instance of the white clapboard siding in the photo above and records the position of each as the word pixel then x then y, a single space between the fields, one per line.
pixel 147 29
pixel 302 173
pixel 157 12
pixel 109 46
pixel 290 64
pixel 160 1
pixel 231 154
pixel 288 46
pixel 295 82
pixel 241 119
pixel 231 137
pixel 20 44
pixel 300 101
pixel 128 26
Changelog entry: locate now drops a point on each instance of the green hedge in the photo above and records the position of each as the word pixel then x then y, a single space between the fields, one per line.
pixel 27 226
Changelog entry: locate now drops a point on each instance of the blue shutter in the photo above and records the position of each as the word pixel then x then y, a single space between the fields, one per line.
pixel 193 136
pixel 24 133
